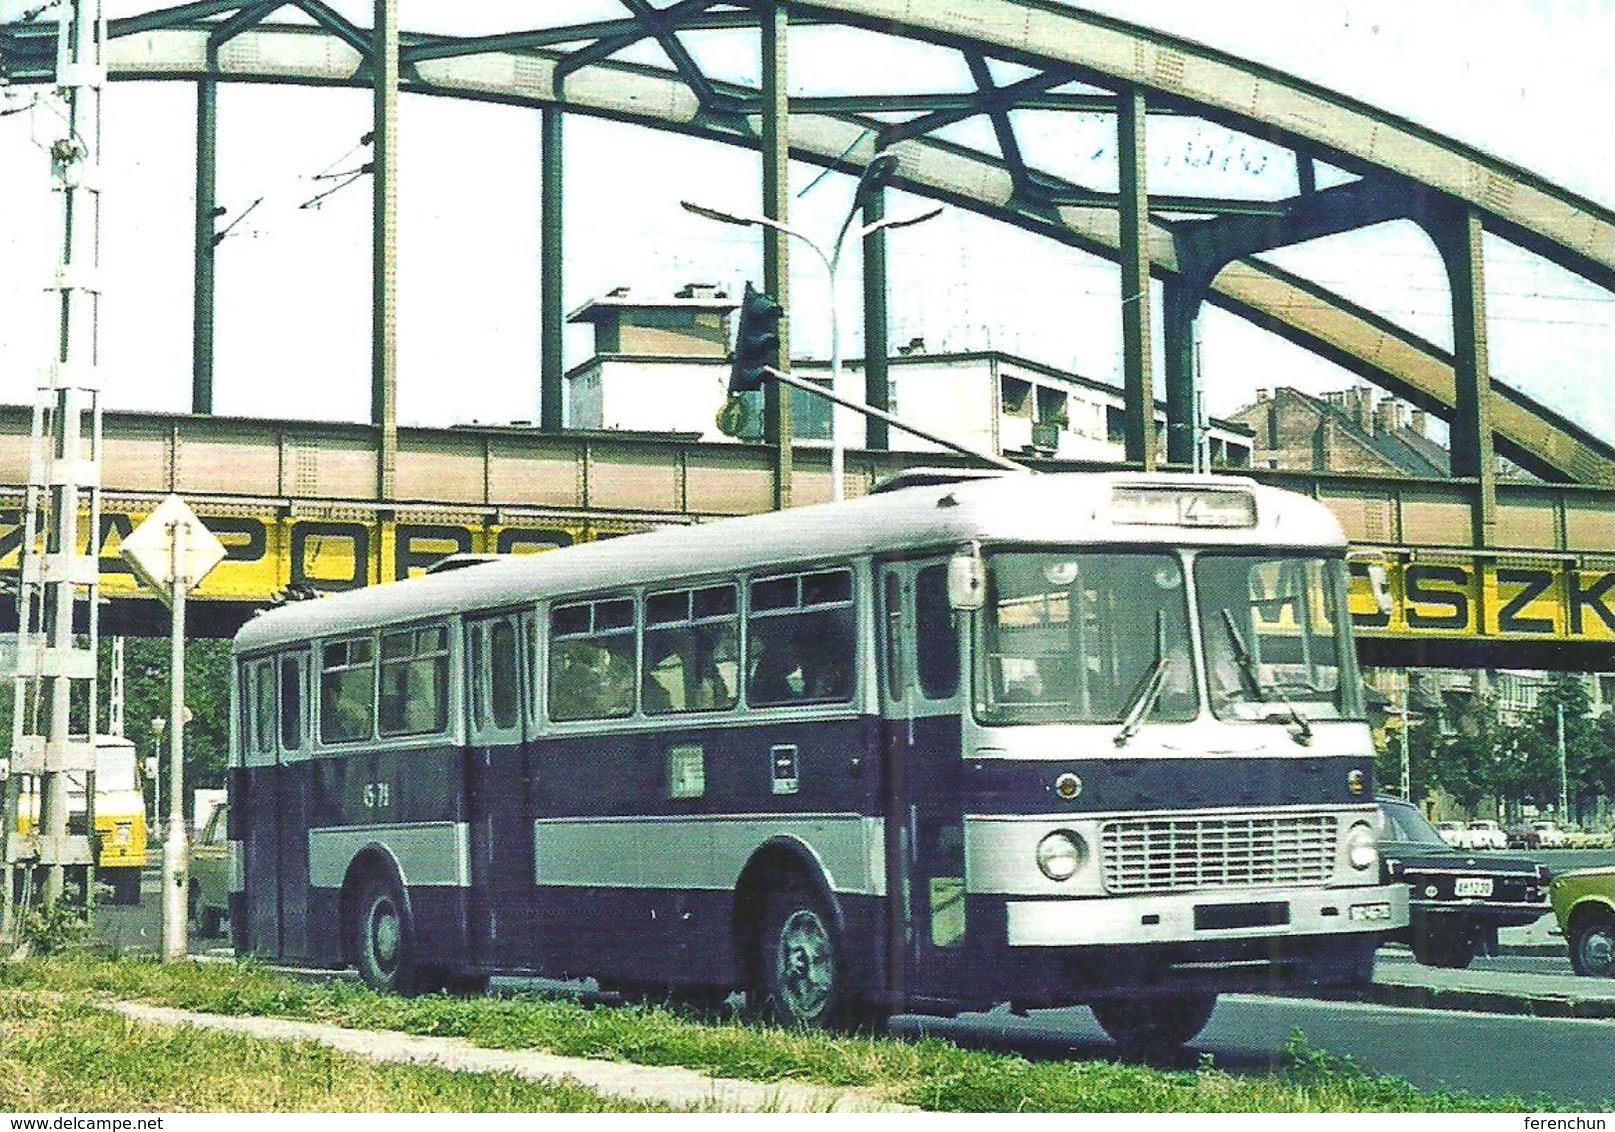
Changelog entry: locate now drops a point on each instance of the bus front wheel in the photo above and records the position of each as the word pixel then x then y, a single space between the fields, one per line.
pixel 800 976
pixel 382 944
pixel 1142 1026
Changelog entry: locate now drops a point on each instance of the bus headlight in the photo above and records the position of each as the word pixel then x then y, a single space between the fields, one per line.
pixel 1060 854
pixel 1360 849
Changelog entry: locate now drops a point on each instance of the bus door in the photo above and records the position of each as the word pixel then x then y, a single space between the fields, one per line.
pixel 921 701
pixel 295 789
pixel 497 808
pixel 257 809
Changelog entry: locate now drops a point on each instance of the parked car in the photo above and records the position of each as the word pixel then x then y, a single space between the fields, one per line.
pixel 1454 834
pixel 1456 901
pixel 1584 902
pixel 1486 835
pixel 1523 837
pixel 210 874
pixel 1550 836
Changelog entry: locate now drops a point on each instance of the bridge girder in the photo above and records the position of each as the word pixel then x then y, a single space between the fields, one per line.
pixel 570 68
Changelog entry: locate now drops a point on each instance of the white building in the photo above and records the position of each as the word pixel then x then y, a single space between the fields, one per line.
pixel 661 366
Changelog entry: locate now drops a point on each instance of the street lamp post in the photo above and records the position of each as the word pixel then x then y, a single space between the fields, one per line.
pixel 1407 762
pixel 878 168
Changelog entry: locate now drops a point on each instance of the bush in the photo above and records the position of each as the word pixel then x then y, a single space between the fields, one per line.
pixel 55 928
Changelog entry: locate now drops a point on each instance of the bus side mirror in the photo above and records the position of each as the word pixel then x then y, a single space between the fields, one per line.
pixel 151 767
pixel 967 580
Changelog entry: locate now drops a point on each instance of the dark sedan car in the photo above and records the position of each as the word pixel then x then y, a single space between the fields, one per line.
pixel 1456 900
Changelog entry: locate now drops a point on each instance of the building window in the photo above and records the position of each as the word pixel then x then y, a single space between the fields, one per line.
pixel 1015 397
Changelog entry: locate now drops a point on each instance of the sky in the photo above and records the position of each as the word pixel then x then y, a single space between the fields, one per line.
pixel 1515 78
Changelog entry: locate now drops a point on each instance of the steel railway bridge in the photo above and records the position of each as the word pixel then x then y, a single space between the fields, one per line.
pixel 1483 571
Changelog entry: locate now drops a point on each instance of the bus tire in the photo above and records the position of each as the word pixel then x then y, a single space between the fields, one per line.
pixel 1154 1026
pixel 382 943
pixel 800 979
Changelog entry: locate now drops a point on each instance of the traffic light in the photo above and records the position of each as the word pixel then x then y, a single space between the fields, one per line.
pixel 756 341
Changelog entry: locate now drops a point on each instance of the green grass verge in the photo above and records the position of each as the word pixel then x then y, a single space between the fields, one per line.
pixel 63 1054
pixel 929 1073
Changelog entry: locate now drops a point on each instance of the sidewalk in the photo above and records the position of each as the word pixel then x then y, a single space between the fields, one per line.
pixel 678 1087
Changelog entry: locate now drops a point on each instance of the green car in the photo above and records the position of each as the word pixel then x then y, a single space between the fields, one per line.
pixel 1584 901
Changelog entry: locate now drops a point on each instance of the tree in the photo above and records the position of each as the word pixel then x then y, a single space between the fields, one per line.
pixel 146 696
pixel 1588 759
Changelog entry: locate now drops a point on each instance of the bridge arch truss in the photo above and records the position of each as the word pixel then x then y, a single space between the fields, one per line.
pixel 1200 249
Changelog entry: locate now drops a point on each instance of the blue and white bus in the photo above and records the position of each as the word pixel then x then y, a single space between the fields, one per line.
pixel 1044 740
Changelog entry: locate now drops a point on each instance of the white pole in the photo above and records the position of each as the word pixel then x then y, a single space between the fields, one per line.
pixel 1564 777
pixel 1407 764
pixel 175 848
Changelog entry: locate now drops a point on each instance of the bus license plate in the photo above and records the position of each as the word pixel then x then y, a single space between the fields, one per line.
pixel 1473 886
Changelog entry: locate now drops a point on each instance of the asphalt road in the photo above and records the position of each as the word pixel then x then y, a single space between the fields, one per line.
pixel 1569 1061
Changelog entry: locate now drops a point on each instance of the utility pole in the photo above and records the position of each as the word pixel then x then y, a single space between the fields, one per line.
pixel 54 711
pixel 1564 776
pixel 1407 762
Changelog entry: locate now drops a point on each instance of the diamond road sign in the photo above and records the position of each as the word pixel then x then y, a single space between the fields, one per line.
pixel 149 548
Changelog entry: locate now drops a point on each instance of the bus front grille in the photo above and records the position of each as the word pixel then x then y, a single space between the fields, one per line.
pixel 1231 851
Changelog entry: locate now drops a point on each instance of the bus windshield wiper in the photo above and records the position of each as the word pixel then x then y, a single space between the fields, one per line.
pixel 1150 690
pixel 1253 680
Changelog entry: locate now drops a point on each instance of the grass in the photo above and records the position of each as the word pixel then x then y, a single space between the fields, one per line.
pixel 66 1055
pixel 929 1073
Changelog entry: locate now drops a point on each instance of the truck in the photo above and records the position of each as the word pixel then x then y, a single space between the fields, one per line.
pixel 120 816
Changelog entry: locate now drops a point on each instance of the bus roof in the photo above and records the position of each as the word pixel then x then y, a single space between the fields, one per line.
pixel 1063 508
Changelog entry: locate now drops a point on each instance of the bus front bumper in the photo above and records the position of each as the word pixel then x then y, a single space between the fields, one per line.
pixel 1205 916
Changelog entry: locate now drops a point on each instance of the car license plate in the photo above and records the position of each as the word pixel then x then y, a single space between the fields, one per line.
pixel 1473 886
pixel 1370 912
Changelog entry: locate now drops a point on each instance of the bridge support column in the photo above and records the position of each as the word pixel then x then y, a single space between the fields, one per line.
pixel 1471 445
pixel 1137 380
pixel 551 323
pixel 877 383
pixel 777 429
pixel 1183 298
pixel 207 122
pixel 384 259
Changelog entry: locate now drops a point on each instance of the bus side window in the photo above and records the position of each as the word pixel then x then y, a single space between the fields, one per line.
pixel 593 666
pixel 936 639
pixel 263 710
pixel 347 690
pixel 692 647
pixel 291 703
pixel 799 639
pixel 414 681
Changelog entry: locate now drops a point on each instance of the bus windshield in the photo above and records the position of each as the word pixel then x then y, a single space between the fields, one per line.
pixel 1084 638
pixel 1276 637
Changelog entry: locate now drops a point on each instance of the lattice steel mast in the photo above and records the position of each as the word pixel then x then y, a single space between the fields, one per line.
pixel 54 711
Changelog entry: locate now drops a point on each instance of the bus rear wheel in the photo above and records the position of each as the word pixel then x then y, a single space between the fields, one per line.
pixel 382 945
pixel 800 979
pixel 1154 1025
